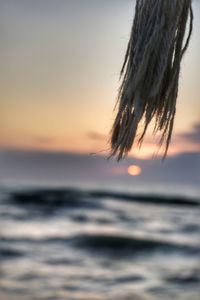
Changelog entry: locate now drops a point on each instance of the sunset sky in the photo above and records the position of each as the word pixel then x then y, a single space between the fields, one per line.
pixel 59 70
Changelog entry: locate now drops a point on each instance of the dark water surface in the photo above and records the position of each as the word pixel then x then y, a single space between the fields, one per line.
pixel 71 244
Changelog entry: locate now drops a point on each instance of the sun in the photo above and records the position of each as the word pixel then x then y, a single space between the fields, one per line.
pixel 134 170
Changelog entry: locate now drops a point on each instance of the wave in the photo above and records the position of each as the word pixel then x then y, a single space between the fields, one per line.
pixel 190 278
pixel 10 253
pixel 118 244
pixel 53 198
pixel 76 198
pixel 114 245
pixel 151 199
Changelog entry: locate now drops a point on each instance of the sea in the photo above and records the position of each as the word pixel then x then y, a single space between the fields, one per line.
pixel 93 242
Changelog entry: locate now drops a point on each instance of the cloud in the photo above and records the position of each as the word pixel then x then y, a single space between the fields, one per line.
pixel 193 136
pixel 44 140
pixel 93 135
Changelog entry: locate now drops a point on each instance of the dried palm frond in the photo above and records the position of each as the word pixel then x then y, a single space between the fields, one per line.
pixel 151 71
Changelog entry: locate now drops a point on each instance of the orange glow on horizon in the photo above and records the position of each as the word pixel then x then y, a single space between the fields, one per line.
pixel 134 170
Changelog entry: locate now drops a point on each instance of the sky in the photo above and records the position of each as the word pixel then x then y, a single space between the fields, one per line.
pixel 59 75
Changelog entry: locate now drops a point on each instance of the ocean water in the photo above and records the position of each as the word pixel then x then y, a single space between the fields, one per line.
pixel 97 245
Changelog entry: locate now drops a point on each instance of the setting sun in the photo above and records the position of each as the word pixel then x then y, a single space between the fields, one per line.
pixel 134 170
